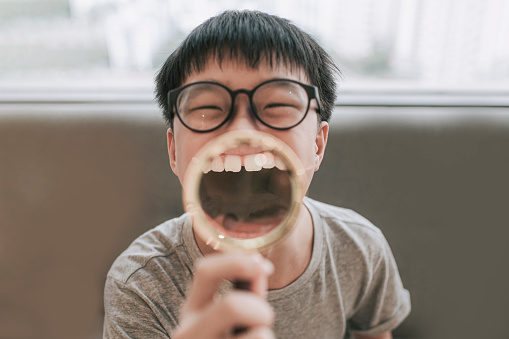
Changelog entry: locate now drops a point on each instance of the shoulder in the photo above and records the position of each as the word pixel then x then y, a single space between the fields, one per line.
pixel 347 232
pixel 343 220
pixel 158 245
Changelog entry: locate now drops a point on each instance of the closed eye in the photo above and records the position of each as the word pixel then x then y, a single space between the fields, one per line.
pixel 272 105
pixel 205 107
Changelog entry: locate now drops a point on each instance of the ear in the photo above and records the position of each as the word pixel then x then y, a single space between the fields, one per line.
pixel 171 151
pixel 320 143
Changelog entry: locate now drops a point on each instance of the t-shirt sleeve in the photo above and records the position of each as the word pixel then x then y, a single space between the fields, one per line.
pixel 384 303
pixel 128 314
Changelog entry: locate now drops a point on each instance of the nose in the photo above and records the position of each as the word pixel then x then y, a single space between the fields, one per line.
pixel 243 117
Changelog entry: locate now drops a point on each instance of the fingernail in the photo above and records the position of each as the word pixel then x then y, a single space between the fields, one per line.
pixel 267 265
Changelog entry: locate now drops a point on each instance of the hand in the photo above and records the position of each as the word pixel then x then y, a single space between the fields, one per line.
pixel 208 315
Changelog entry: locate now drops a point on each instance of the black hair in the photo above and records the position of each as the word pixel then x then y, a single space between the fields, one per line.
pixel 251 37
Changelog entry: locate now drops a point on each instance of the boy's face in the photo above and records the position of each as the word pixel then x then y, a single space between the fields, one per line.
pixel 307 140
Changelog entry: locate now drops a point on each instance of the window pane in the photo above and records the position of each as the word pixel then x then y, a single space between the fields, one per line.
pixel 455 43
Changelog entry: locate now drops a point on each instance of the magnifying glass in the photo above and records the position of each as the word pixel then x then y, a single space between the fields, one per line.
pixel 244 190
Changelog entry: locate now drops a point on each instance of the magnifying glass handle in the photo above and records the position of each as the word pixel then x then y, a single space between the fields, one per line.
pixel 243 285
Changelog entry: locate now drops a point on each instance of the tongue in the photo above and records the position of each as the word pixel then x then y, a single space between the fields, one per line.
pixel 251 228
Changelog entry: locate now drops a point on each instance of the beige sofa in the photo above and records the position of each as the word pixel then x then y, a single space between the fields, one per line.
pixel 79 183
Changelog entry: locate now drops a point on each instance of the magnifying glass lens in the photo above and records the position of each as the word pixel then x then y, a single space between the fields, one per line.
pixel 246 204
pixel 244 191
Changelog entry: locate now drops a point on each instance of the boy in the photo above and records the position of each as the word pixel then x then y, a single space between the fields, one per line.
pixel 332 276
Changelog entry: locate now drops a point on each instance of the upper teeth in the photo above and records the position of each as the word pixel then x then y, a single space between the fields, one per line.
pixel 232 163
pixel 269 161
pixel 251 163
pixel 217 165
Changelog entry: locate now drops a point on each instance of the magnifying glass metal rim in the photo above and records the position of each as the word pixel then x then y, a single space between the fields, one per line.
pixel 214 237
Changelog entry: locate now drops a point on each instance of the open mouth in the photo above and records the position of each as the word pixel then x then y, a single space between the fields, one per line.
pixel 245 196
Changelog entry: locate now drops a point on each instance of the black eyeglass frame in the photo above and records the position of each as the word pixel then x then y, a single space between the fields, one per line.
pixel 311 91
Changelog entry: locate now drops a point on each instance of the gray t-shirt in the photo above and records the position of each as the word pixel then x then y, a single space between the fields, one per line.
pixel 351 283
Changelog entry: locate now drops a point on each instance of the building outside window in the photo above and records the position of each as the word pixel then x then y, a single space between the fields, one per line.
pixel 392 45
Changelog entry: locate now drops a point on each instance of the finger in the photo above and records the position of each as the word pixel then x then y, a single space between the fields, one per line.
pixel 211 271
pixel 260 284
pixel 260 332
pixel 237 309
pixel 218 320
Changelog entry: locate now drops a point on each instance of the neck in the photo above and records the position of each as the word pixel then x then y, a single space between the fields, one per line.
pixel 290 257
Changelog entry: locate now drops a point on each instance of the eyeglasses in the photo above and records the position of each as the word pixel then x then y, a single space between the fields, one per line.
pixel 278 103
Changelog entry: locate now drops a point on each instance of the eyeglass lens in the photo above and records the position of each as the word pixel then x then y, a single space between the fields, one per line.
pixel 279 104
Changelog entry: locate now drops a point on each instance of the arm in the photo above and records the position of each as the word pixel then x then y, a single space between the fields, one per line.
pixel 385 303
pixel 128 315
pixel 386 335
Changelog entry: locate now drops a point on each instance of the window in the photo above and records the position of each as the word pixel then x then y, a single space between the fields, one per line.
pixel 89 46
